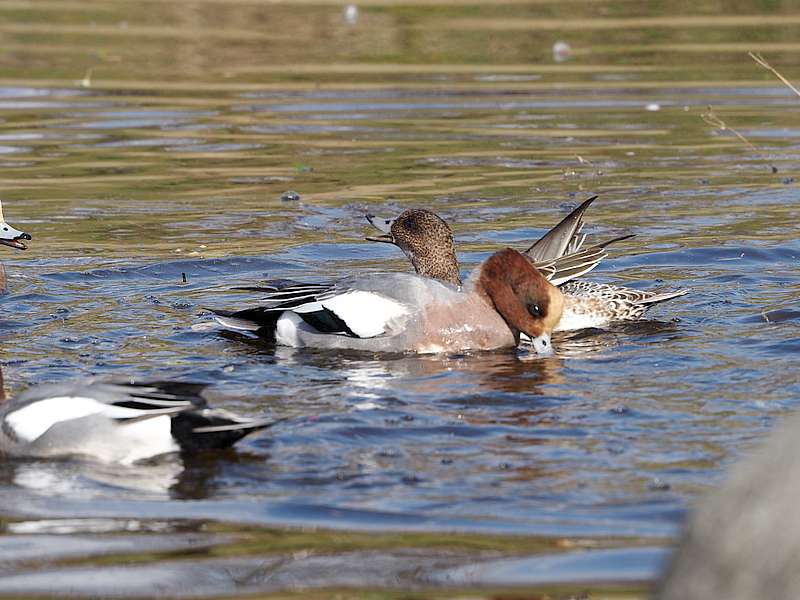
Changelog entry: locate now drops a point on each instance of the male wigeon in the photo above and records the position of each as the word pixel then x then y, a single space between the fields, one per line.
pixel 10 236
pixel 427 240
pixel 506 296
pixel 116 422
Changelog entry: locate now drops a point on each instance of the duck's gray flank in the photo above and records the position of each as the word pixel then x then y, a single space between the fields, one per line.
pixel 117 421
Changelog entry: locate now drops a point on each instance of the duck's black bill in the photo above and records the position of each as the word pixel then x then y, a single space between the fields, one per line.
pixel 386 238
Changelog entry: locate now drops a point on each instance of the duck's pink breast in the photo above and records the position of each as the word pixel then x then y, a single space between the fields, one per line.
pixel 468 324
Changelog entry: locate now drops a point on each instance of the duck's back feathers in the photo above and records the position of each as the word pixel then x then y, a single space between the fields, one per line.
pixel 116 422
pixel 363 307
pixel 118 400
pixel 287 292
pixel 359 313
pixel 590 304
pixel 278 295
pixel 613 292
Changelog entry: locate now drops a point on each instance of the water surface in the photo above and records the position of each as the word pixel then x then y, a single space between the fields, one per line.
pixel 141 142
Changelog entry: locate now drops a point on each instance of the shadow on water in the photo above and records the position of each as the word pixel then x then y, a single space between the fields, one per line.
pixel 150 150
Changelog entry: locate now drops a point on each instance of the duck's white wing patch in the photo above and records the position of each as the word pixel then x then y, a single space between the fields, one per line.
pixel 308 307
pixel 367 314
pixel 31 421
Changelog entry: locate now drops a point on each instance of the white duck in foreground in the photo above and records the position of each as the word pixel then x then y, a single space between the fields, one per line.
pixel 116 422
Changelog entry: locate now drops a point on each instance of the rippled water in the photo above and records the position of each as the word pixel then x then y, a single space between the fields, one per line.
pixel 142 142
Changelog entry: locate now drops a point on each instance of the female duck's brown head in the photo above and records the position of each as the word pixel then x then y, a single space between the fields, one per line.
pixel 426 240
pixel 527 302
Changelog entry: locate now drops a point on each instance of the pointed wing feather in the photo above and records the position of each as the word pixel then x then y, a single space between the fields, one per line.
pixel 563 238
pixel 655 298
pixel 287 292
pixel 212 429
pixel 576 243
pixel 154 396
pixel 572 266
pixel 613 293
pixel 280 296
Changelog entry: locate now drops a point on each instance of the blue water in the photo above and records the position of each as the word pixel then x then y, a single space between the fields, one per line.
pixel 494 469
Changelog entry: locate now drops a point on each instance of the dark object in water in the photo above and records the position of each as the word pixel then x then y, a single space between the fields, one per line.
pixel 743 540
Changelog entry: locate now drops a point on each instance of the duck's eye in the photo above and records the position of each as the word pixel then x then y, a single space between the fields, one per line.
pixel 534 310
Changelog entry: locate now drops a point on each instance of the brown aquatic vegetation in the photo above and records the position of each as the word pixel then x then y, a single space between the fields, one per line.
pixel 712 119
pixel 760 60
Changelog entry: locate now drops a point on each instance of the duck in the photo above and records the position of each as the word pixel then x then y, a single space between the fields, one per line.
pixel 121 422
pixel 427 240
pixel 504 298
pixel 10 236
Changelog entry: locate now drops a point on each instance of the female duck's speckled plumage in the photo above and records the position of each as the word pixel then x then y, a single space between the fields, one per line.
pixel 116 422
pixel 505 297
pixel 591 304
pixel 428 241
pixel 436 259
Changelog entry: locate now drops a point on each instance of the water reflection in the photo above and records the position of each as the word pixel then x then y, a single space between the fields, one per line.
pixel 426 375
pixel 76 479
pixel 170 476
pixel 591 343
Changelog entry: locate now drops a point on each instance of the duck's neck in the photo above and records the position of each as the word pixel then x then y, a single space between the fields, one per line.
pixel 442 267
pixel 448 273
